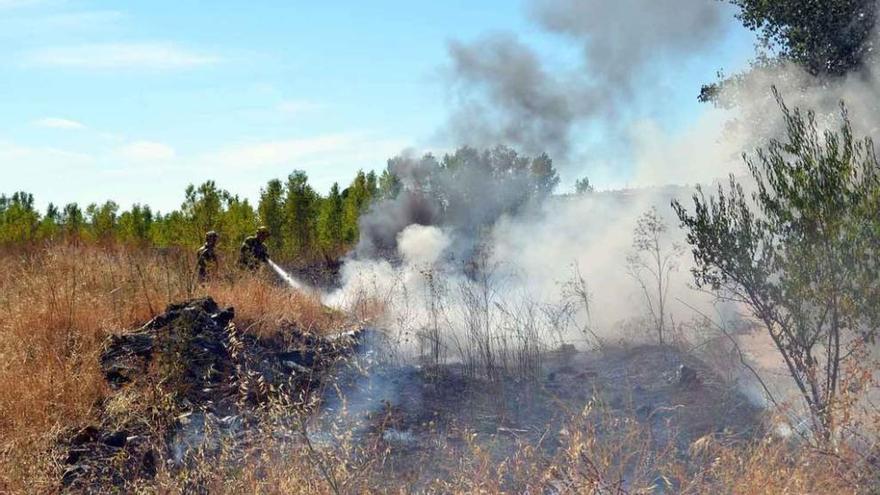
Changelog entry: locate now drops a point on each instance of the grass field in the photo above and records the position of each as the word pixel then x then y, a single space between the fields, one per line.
pixel 59 303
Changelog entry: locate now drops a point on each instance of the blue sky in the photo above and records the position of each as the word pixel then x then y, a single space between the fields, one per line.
pixel 132 101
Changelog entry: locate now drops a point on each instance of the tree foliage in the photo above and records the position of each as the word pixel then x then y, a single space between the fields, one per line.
pixel 474 187
pixel 824 37
pixel 18 218
pixel 135 224
pixel 802 255
pixel 300 209
pixel 584 186
pixel 271 212
pixel 331 221
pixel 356 198
pixel 102 219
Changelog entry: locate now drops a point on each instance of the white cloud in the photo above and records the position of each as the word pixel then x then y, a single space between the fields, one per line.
pixel 325 158
pixel 277 152
pixel 143 56
pixel 325 149
pixel 24 160
pixel 147 151
pixel 59 123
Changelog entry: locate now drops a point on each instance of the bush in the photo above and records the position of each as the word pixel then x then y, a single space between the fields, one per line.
pixel 801 254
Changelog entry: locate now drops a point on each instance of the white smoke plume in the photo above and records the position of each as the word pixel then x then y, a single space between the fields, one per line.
pixel 711 147
pixel 526 262
pixel 421 245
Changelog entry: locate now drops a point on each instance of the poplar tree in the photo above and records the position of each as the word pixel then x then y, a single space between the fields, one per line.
pixel 330 222
pixel 300 213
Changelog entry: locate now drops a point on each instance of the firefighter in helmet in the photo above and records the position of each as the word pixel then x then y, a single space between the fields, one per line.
pixel 206 262
pixel 253 250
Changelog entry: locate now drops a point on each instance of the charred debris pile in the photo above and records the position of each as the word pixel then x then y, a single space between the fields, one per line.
pixel 185 385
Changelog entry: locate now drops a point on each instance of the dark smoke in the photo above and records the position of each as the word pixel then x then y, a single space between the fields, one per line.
pixel 463 192
pixel 412 205
pixel 621 39
pixel 506 94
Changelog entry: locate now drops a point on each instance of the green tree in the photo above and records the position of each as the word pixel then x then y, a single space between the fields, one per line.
pixel 389 185
pixel 136 224
pixel 303 223
pixel 356 198
pixel 271 211
pixel 73 220
pixel 330 222
pixel 49 224
pixel 824 37
pixel 372 184
pixel 239 220
pixel 801 255
pixel 170 229
pixel 18 218
pixel 544 175
pixel 583 186
pixel 300 213
pixel 481 185
pixel 102 220
pixel 203 210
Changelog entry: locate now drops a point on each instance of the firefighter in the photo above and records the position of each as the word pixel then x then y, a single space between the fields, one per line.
pixel 207 258
pixel 253 250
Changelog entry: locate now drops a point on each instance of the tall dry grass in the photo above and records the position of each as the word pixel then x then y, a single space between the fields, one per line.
pixel 59 303
pixel 602 453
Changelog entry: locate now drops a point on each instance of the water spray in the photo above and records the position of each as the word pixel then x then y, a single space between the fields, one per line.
pixel 291 281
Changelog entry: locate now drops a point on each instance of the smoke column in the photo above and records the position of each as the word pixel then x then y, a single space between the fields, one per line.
pixel 504 92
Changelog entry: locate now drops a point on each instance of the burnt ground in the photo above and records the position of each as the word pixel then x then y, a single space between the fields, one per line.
pixel 324 275
pixel 188 384
pixel 426 419
pixel 184 385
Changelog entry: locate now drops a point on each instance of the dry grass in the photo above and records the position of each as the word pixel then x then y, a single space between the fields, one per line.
pixel 57 305
pixel 263 309
pixel 602 453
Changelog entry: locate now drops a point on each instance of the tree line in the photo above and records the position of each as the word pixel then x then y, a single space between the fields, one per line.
pixel 306 226
pixel 304 223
